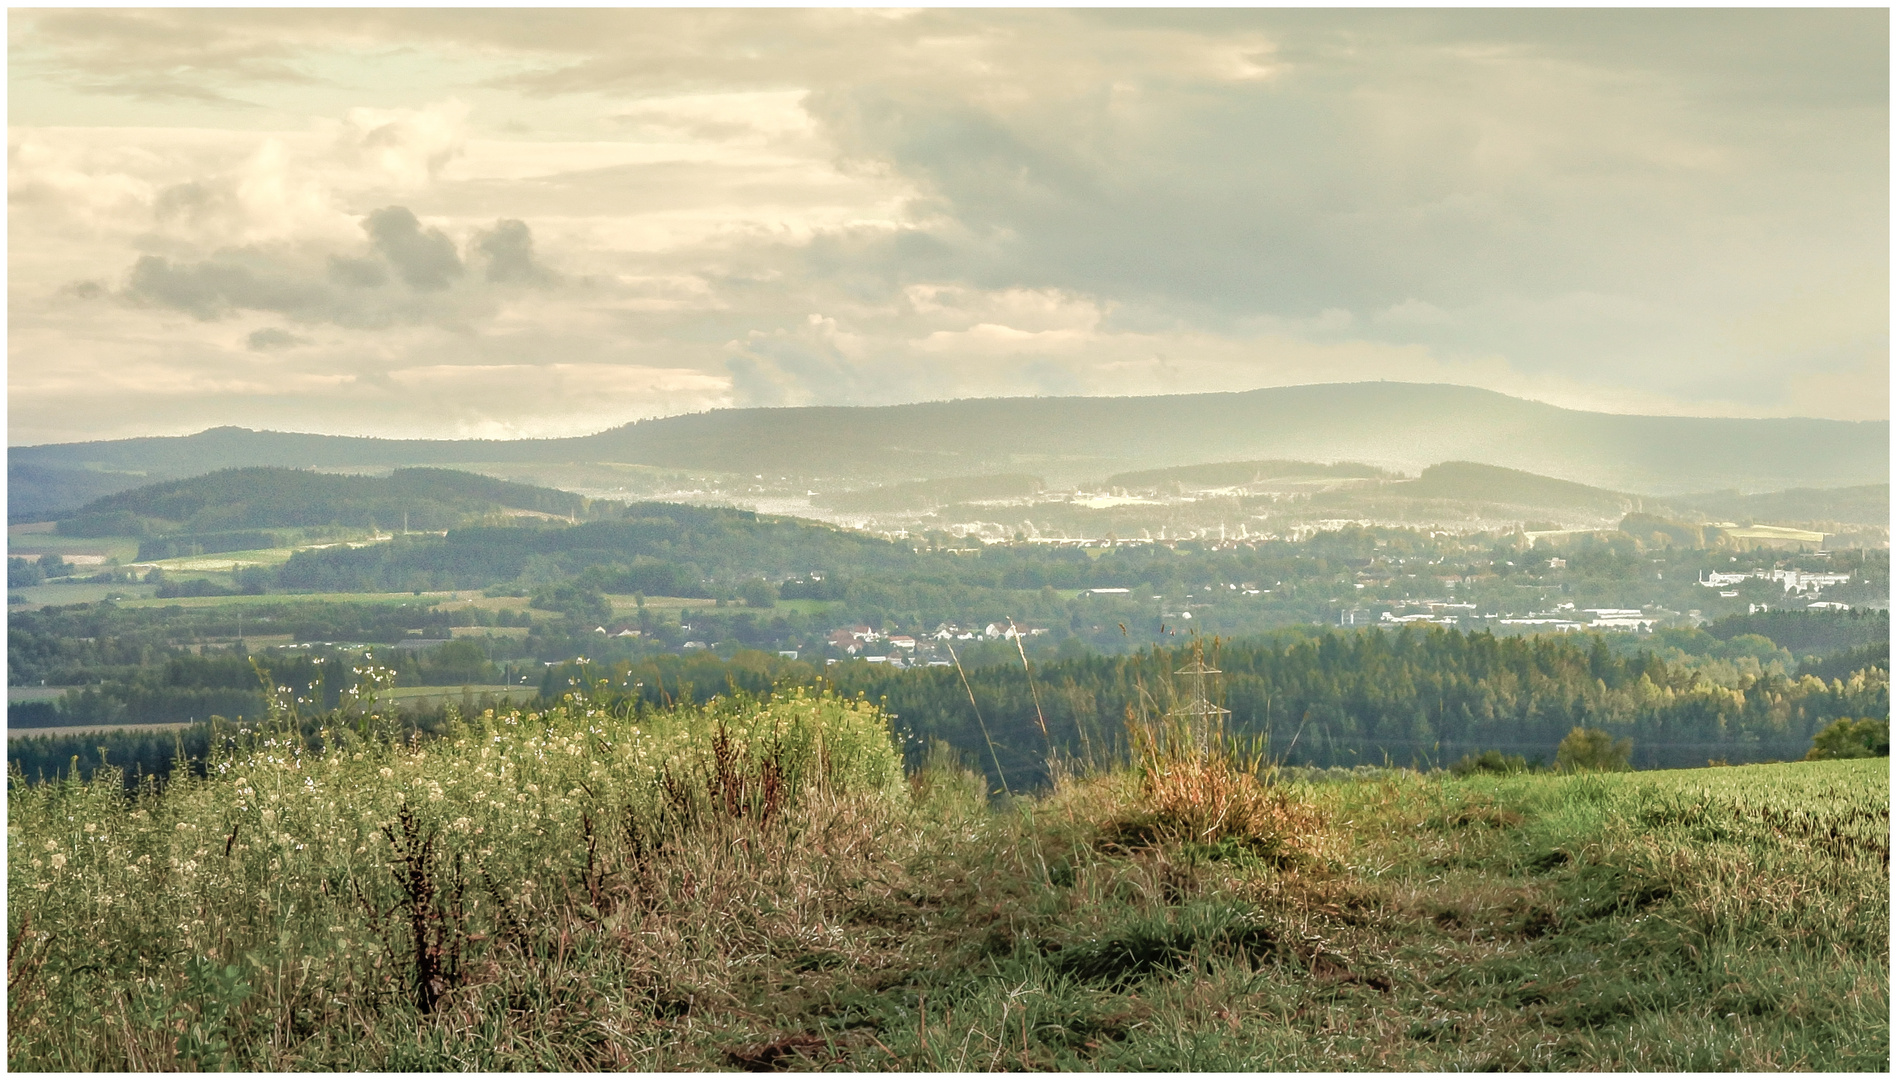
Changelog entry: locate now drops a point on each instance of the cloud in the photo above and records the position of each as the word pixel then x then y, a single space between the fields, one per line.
pixel 406 274
pixel 272 337
pixel 357 272
pixel 1653 210
pixel 508 249
pixel 408 147
pixel 425 258
pixel 216 288
pixel 268 196
pixel 153 55
pixel 793 365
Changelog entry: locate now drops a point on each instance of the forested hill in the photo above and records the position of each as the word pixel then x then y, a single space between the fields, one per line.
pixel 1466 481
pixel 654 548
pixel 1389 425
pixel 1868 504
pixel 269 498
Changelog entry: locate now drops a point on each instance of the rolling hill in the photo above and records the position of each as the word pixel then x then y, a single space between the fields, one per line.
pixel 1866 504
pixel 1466 481
pixel 1400 426
pixel 267 497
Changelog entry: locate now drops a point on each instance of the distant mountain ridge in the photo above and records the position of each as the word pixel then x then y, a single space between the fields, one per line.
pixel 1402 426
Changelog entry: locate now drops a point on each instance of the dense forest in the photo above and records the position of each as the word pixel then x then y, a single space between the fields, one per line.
pixel 1416 696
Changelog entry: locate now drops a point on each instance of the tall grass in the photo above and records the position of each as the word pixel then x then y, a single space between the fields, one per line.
pixel 374 869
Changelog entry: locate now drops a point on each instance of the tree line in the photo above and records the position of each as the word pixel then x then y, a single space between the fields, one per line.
pixel 1321 698
pixel 1421 697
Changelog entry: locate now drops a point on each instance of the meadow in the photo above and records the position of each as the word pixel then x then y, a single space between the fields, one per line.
pixel 758 884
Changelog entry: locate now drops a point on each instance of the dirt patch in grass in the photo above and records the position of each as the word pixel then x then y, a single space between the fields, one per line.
pixel 784 1054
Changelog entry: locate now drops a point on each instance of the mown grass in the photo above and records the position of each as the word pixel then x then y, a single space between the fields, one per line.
pixel 591 888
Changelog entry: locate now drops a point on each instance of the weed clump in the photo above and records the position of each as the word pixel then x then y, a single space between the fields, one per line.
pixel 1588 749
pixel 1848 738
pixel 1199 786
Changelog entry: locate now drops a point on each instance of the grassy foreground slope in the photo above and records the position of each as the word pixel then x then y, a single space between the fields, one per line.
pixel 757 885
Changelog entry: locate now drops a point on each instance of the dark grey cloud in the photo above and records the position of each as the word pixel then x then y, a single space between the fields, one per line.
pixel 406 275
pixel 508 250
pixel 424 258
pixel 215 288
pixel 358 272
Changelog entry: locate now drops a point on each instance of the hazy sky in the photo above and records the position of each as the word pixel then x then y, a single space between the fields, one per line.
pixel 498 223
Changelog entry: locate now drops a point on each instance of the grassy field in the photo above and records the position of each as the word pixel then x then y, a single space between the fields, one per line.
pixel 759 886
pixel 34 544
pixel 625 604
pixel 40 595
pixel 427 599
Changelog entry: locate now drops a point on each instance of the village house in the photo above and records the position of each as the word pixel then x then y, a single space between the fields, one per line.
pixel 1004 630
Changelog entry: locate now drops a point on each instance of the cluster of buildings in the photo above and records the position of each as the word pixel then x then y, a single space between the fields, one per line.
pixel 906 650
pixel 1798 581
pixel 1563 618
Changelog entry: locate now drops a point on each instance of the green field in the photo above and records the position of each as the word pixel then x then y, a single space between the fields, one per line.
pixel 757 885
pixel 80 593
pixel 626 604
pixel 34 544
pixel 427 598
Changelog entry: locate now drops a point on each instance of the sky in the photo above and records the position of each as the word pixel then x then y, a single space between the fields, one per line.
pixel 501 223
